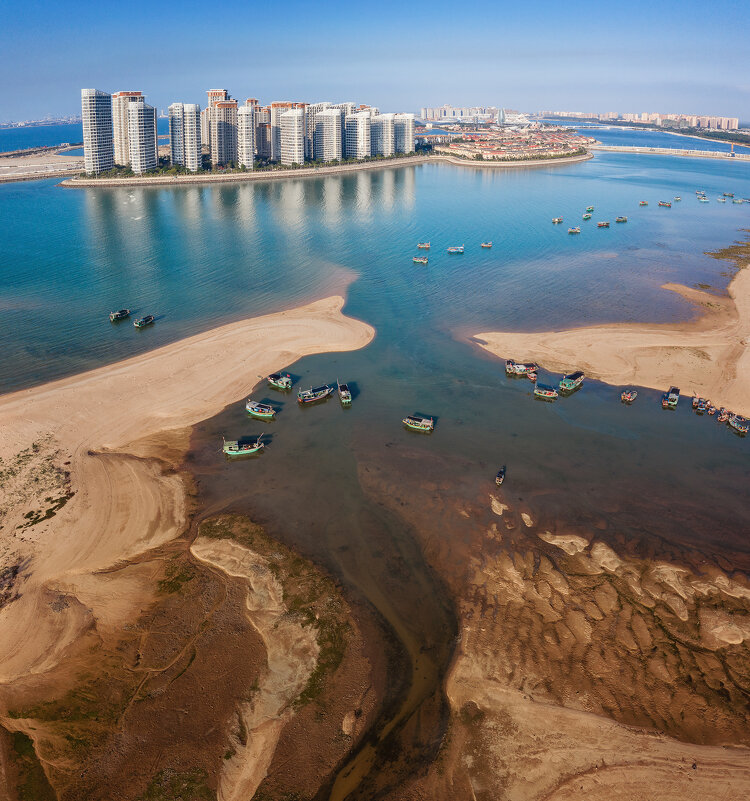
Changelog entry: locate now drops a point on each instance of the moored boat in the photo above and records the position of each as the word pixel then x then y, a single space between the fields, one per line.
pixel 721 199
pixel 525 368
pixel 604 224
pixel 700 407
pixel 456 249
pixel 669 399
pixel 665 203
pixel 510 367
pixel 703 199
pixel 621 219
pixel 279 381
pixel 557 220
pixel 263 411
pixel 739 424
pixel 628 395
pixel 314 394
pixel 737 200
pixel 500 477
pixel 419 259
pixel 416 423
pixel 423 245
pixel 587 215
pixel 723 415
pixel 643 203
pixel 545 393
pixel 532 377
pixel 571 381
pixel 728 194
pixel 345 394
pixel 589 208
pixel 486 244
pixel 676 199
pixel 119 315
pixel 233 447
pixel 575 230
pixel 144 321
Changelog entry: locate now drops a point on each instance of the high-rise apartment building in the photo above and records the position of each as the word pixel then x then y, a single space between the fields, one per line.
pixel 292 132
pixel 206 127
pixel 98 145
pixel 215 95
pixel 120 103
pixel 327 136
pixel 142 137
pixel 312 112
pixel 185 143
pixel 223 132
pixel 357 142
pixel 382 135
pixel 277 109
pixel 246 137
pixel 403 133
pixel 262 132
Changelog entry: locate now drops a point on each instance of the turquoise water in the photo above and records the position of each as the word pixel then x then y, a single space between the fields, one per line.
pixel 50 135
pixel 651 138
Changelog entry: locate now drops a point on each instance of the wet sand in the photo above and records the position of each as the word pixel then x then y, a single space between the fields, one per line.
pixel 708 356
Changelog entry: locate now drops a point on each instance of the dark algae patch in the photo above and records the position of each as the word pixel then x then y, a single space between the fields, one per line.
pixel 169 785
pixel 26 775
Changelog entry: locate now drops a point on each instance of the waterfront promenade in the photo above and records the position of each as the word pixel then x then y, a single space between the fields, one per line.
pixel 668 151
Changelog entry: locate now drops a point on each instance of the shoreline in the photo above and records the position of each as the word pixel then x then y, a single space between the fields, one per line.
pixel 708 355
pixel 667 151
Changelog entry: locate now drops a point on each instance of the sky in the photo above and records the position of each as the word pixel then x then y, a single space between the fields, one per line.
pixel 685 56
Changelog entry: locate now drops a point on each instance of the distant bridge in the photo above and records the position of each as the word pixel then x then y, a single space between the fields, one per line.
pixel 667 151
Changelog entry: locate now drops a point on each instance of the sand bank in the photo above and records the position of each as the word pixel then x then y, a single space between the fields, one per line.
pixel 85 438
pixel 708 356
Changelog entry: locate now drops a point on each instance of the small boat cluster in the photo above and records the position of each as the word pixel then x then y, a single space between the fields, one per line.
pixel 123 314
pixel 567 384
pixel 702 197
pixel 453 250
pixel 735 421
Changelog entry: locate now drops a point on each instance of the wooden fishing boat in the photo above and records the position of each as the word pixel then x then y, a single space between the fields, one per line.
pixel 721 199
pixel 669 399
pixel 703 199
pixel 314 394
pixel 345 394
pixel 556 220
pixel 532 377
pixel 119 315
pixel 589 208
pixel 621 219
pixel 423 245
pixel 587 215
pixel 416 423
pixel 525 368
pixel 602 225
pixel 737 200
pixel 628 395
pixel 510 367
pixel 575 230
pixel 728 194
pixel 545 393
pixel 710 409
pixel 676 199
pixel 233 447
pixel 500 477
pixel 144 321
pixel 419 259
pixel 739 424
pixel 486 244
pixel 279 381
pixel 700 407
pixel 643 203
pixel 665 203
pixel 571 381
pixel 724 415
pixel 456 249
pixel 263 411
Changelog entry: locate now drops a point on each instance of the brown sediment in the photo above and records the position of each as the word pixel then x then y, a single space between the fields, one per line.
pixel 708 356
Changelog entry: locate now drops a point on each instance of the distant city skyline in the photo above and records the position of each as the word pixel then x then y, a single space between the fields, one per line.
pixel 670 55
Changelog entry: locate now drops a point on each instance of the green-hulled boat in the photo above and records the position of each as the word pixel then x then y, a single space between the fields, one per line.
pixel 345 394
pixel 233 447
pixel 415 423
pixel 571 381
pixel 587 215
pixel 589 209
pixel 279 381
pixel 262 411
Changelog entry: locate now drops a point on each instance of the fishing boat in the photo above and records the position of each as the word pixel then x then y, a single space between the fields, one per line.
pixel 556 220
pixel 119 315
pixel 721 199
pixel 575 230
pixel 532 377
pixel 669 399
pixel 415 423
pixel 602 225
pixel 345 394
pixel 643 203
pixel 621 219
pixel 724 415
pixel 676 199
pixel 739 424
pixel 710 409
pixel 144 321
pixel 423 245
pixel 456 249
pixel 262 411
pixel 500 477
pixel 510 367
pixel 628 395
pixel 699 192
pixel 571 381
pixel 525 368
pixel 589 208
pixel 728 194
pixel 737 200
pixel 486 244
pixel 665 203
pixel 314 394
pixel 233 447
pixel 419 259
pixel 703 199
pixel 700 407
pixel 587 215
pixel 545 393
pixel 279 381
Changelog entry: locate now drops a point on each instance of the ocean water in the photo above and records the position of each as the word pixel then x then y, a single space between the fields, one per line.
pixel 50 135
pixel 651 138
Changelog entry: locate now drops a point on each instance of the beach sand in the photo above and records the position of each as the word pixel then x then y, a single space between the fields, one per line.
pixel 708 356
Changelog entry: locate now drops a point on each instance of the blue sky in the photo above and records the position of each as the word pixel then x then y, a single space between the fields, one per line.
pixel 662 55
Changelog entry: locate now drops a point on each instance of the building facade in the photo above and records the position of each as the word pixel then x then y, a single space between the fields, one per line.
pixel 98 144
pixel 246 137
pixel 223 132
pixel 357 141
pixel 206 127
pixel 403 133
pixel 327 136
pixel 120 103
pixel 276 111
pixel 292 133
pixel 176 113
pixel 185 146
pixel 382 135
pixel 142 137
